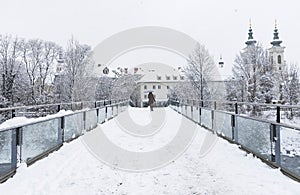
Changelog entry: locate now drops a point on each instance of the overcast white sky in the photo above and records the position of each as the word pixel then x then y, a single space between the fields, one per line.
pixel 221 25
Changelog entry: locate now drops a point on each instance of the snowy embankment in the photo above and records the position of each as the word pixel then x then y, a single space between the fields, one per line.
pixel 225 169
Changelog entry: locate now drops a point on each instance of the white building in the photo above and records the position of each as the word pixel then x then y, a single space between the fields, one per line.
pixel 159 79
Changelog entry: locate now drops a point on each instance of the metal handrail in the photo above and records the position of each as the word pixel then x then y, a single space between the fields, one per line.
pixel 241 103
pixel 233 137
pixel 17 134
pixel 54 104
pixel 55 117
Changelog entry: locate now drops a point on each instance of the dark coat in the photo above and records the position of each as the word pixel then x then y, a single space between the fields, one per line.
pixel 151 99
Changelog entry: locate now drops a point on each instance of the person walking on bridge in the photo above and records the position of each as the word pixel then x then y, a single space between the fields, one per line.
pixel 151 100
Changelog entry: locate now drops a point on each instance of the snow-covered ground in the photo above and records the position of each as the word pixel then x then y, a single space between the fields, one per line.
pixel 225 169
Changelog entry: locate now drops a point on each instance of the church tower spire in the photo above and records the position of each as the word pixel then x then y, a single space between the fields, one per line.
pixel 276 41
pixel 250 40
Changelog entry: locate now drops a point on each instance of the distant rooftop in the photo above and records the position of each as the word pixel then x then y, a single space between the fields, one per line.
pixel 158 72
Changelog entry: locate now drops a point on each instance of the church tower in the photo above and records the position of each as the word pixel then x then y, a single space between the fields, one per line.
pixel 249 49
pixel 250 40
pixel 60 64
pixel 276 52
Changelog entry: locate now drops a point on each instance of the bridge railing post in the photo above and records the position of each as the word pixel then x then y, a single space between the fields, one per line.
pixel 277 146
pixel 97 113
pixel 275 139
pixel 213 122
pixel 235 123
pixel 14 148
pixel 13 113
pixel 106 112
pixel 84 121
pixel 192 111
pixel 200 110
pixel 61 127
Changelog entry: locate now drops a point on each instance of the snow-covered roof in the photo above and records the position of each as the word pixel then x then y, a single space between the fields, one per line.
pixel 158 72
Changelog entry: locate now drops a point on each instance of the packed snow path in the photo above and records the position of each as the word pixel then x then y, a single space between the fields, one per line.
pixel 75 169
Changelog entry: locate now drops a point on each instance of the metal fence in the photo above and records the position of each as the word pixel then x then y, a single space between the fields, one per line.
pixel 266 130
pixel 30 142
pixel 35 111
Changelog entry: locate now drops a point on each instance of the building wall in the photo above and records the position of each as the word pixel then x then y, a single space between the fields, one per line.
pixel 160 91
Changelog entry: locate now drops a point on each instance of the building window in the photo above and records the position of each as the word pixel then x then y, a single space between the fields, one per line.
pixel 168 87
pixel 279 59
pixel 145 96
pixel 158 87
pixel 181 77
pixel 174 77
pixel 279 68
pixel 153 86
pixel 145 86
pixel 158 77
pixel 168 77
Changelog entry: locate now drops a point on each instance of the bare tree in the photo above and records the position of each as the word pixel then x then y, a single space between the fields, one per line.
pixel 104 88
pixel 78 61
pixel 124 86
pixel 32 58
pixel 46 69
pixel 199 70
pixel 10 64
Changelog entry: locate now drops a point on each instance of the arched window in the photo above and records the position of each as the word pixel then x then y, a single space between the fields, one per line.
pixel 279 59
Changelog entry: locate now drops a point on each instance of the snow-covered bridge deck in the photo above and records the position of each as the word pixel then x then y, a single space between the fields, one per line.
pixel 78 168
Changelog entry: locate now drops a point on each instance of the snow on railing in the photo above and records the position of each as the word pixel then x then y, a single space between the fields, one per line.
pixel 269 131
pixel 26 140
pixel 34 111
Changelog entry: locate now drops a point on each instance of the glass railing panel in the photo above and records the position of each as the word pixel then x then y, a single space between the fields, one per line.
pixel 73 126
pixel 189 111
pixel 91 119
pixel 290 149
pixel 222 124
pixel 39 137
pixel 101 116
pixel 254 135
pixel 180 108
pixel 109 112
pixel 206 120
pixel 196 114
pixel 115 110
pixel 6 151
